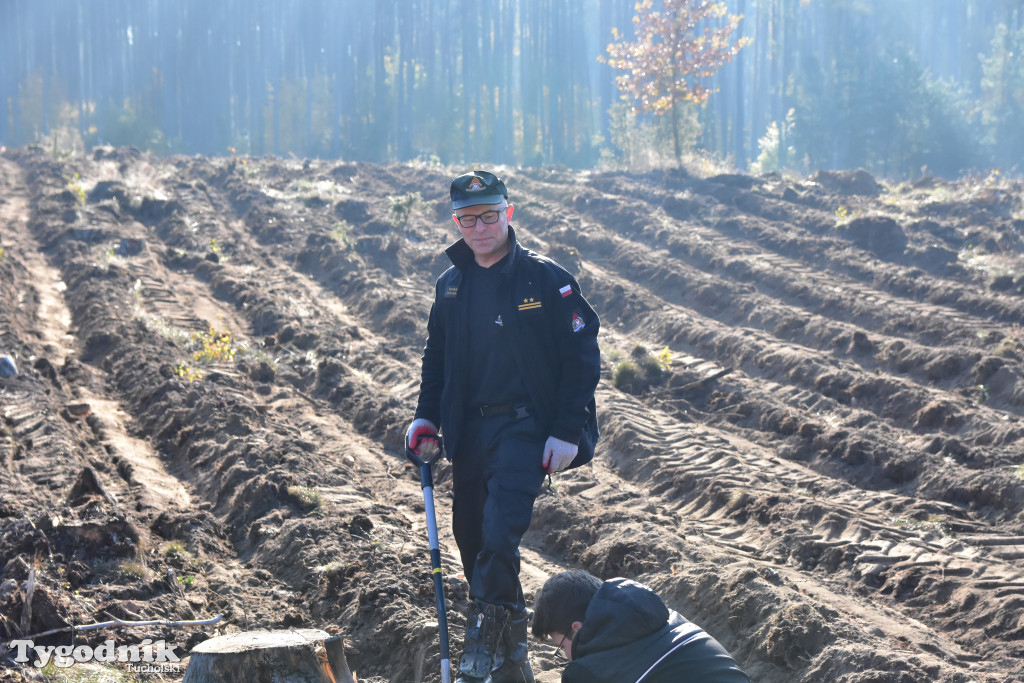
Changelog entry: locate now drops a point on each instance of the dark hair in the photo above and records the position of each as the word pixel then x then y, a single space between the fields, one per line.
pixel 563 600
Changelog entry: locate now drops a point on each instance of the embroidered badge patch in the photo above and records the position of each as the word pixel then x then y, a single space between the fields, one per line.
pixel 475 185
pixel 497 321
pixel 577 323
pixel 529 304
pixel 565 291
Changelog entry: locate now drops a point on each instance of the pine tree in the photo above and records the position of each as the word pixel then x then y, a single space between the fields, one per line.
pixel 1003 101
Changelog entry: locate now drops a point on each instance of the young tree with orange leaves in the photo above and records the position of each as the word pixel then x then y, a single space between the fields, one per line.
pixel 671 54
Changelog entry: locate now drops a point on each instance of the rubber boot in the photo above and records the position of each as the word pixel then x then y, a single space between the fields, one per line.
pixel 514 666
pixel 484 625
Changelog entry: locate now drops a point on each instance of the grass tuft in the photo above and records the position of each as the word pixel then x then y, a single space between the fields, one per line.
pixel 133 570
pixel 306 498
pixel 644 370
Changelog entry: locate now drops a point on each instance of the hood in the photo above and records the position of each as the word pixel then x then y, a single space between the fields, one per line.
pixel 621 612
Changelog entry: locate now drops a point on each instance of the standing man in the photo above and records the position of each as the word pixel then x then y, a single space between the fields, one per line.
pixel 509 371
pixel 620 631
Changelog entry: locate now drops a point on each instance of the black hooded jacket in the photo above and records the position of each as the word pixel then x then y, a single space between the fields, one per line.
pixel 629 632
pixel 554 341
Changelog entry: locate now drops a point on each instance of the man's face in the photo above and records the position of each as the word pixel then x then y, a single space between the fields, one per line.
pixel 489 241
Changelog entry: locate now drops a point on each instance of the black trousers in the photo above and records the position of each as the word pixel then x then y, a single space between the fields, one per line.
pixel 497 475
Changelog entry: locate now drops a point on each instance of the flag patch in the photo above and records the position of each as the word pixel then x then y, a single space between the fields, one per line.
pixel 565 291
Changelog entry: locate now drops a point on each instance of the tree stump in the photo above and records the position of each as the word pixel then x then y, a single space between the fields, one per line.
pixel 305 655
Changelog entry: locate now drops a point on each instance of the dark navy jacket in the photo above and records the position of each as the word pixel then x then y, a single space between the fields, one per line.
pixel 629 632
pixel 554 341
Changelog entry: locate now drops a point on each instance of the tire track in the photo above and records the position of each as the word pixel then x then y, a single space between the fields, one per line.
pixel 759 390
pixel 725 488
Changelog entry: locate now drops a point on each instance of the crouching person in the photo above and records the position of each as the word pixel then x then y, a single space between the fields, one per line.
pixel 620 631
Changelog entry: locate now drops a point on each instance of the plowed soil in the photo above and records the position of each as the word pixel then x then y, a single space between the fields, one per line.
pixel 819 458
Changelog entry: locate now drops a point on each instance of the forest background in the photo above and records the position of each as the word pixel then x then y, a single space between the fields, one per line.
pixel 898 87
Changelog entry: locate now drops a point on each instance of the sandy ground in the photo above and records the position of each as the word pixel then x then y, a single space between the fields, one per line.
pixel 819 459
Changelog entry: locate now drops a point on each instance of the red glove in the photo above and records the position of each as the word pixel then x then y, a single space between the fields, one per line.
pixel 420 430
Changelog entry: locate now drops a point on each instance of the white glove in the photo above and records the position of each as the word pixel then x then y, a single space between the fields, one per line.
pixel 419 430
pixel 558 454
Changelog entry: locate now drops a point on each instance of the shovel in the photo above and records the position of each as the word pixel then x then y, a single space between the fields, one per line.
pixel 427 482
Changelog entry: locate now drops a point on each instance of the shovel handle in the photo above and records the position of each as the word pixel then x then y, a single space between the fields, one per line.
pixel 427 483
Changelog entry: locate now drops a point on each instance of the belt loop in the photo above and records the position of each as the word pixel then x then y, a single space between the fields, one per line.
pixel 521 411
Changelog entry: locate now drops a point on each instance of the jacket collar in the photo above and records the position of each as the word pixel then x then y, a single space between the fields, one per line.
pixel 462 256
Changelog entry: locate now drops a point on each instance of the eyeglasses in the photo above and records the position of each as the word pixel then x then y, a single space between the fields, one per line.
pixel 559 652
pixel 469 221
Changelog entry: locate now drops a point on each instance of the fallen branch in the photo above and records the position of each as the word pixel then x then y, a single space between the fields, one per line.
pixel 686 388
pixel 121 622
pixel 30 590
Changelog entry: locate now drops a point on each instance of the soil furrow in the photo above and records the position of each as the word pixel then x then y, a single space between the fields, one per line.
pixel 816 459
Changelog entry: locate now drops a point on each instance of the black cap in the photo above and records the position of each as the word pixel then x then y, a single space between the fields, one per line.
pixel 478 187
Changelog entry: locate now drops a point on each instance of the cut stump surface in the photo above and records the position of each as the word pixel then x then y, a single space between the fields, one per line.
pixel 295 656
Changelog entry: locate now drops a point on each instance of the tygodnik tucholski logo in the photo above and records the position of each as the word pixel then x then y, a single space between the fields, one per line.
pixel 146 657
